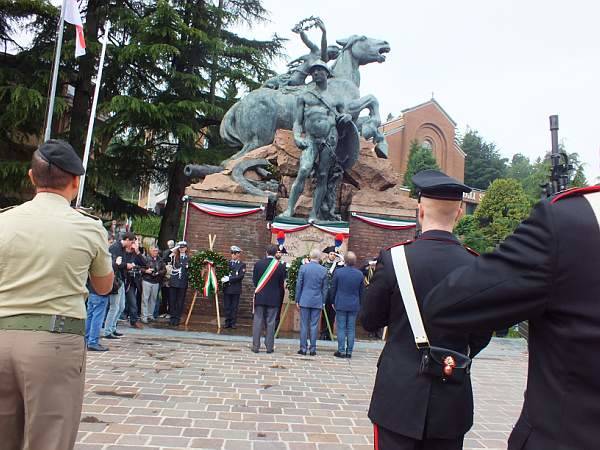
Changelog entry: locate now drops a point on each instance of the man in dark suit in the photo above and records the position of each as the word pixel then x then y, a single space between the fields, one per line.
pixel 268 277
pixel 547 273
pixel 232 287
pixel 409 410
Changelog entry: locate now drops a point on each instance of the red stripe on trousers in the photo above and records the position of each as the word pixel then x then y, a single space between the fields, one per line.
pixel 376 436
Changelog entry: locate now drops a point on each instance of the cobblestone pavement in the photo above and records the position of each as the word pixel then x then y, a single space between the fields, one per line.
pixel 159 389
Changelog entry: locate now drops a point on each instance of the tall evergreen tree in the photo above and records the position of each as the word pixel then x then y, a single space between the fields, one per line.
pixel 419 158
pixel 483 163
pixel 185 62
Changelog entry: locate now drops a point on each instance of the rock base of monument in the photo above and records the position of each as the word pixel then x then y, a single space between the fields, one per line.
pixel 377 212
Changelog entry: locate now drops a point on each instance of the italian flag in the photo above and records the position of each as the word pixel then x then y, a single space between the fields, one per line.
pixel 264 279
pixel 210 284
pixel 73 16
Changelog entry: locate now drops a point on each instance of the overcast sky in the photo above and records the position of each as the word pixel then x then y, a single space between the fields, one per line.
pixel 500 67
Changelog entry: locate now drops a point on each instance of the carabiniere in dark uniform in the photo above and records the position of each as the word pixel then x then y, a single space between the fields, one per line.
pixel 410 405
pixel 232 287
pixel 547 272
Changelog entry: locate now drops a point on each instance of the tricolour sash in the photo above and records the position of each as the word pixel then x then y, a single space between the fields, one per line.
pixel 265 277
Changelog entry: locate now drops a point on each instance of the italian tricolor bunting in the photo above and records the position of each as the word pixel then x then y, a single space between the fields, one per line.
pixel 264 279
pixel 210 284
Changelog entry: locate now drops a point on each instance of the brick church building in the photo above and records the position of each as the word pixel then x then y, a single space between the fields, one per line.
pixel 433 128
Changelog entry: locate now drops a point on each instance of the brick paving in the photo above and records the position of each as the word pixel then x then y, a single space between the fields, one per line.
pixel 159 389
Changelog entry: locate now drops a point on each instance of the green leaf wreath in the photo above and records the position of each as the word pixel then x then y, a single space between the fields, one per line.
pixel 292 276
pixel 197 264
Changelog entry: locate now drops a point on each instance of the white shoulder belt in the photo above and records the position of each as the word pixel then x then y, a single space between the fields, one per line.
pixel 408 296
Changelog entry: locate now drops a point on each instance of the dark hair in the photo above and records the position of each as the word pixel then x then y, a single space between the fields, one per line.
pixel 128 236
pixel 46 175
pixel 271 250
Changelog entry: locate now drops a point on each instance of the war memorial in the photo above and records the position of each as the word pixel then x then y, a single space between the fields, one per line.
pixel 312 165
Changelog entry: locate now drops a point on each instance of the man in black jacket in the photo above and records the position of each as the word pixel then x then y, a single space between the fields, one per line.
pixel 268 277
pixel 232 287
pixel 547 273
pixel 410 410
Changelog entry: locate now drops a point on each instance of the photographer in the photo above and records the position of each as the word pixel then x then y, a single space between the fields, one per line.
pixel 152 276
pixel 118 251
pixel 134 262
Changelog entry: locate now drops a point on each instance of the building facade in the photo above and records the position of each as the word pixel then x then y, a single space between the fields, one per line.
pixel 433 128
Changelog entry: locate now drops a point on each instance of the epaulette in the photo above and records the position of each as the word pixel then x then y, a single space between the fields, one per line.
pixel 575 192
pixel 6 209
pixel 85 213
pixel 470 250
pixel 400 243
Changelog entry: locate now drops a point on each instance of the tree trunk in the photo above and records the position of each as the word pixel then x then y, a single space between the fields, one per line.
pixel 169 224
pixel 82 100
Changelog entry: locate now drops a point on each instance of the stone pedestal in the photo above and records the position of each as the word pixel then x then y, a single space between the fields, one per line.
pixel 371 187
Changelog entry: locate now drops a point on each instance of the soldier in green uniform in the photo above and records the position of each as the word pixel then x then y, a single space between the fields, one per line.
pixel 48 251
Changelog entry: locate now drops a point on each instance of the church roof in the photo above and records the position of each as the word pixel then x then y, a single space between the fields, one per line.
pixel 436 104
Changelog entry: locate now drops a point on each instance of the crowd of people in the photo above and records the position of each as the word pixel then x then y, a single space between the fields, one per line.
pixel 145 284
pixel 438 301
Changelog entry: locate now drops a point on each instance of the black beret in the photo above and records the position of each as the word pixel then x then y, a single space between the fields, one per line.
pixel 435 184
pixel 60 154
pixel 281 249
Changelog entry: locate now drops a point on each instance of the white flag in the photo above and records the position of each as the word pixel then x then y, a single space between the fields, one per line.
pixel 73 16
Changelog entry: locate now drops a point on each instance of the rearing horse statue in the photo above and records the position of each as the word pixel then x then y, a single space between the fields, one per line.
pixel 252 122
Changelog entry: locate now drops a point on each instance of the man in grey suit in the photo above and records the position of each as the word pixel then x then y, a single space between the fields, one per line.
pixel 311 292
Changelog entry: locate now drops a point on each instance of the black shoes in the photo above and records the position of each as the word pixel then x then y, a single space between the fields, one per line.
pixel 117 334
pixel 313 353
pixel 110 336
pixel 254 350
pixel 270 351
pixel 348 355
pixel 339 355
pixel 97 348
pixel 302 352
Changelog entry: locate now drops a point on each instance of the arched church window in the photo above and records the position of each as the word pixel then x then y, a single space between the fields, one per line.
pixel 428 144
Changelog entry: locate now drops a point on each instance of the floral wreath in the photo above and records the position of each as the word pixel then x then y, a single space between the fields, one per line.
pixel 197 271
pixel 292 276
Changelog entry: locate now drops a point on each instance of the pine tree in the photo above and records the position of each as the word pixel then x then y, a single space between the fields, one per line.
pixel 483 163
pixel 185 61
pixel 419 158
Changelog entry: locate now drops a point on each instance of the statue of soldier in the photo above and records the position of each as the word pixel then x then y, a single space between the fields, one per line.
pixel 299 68
pixel 317 114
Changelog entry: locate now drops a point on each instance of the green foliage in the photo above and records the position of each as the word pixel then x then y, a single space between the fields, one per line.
pixel 419 158
pixel 197 267
pixel 579 179
pixel 148 226
pixel 13 176
pixel 292 276
pixel 483 163
pixel 468 231
pixel 504 206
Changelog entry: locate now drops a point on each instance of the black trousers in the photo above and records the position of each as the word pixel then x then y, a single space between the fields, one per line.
pixel 388 440
pixel 164 300
pixel 231 303
pixel 176 302
pixel 132 304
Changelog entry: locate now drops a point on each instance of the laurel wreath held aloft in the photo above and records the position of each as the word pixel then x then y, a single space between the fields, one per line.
pixel 306 24
pixel 292 276
pixel 197 270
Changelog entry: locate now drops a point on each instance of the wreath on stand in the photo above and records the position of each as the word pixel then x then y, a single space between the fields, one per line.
pixel 292 276
pixel 197 272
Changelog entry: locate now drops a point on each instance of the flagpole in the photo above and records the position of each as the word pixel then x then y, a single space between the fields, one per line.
pixel 58 50
pixel 88 139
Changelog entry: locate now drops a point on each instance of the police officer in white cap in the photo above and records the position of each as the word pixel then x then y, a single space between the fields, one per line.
pixel 232 287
